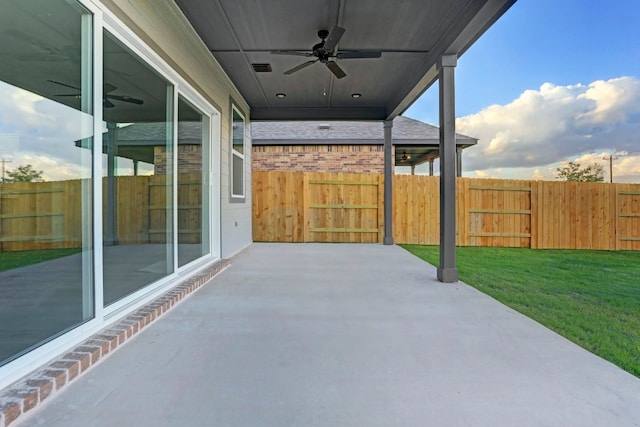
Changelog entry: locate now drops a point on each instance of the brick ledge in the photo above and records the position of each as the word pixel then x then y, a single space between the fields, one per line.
pixel 24 395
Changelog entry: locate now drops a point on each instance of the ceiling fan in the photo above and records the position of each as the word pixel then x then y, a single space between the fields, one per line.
pixel 325 52
pixel 107 96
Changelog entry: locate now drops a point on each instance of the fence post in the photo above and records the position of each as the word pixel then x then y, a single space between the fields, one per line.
pixel 533 218
pixel 388 183
pixel 306 236
pixel 616 220
pixel 380 208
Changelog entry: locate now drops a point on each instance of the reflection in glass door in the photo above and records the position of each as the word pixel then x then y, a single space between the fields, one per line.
pixel 137 155
pixel 46 145
pixel 193 174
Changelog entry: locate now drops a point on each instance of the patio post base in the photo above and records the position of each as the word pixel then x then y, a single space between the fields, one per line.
pixel 448 275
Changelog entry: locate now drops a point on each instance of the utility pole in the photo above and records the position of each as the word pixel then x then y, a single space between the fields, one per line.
pixel 4 163
pixel 611 157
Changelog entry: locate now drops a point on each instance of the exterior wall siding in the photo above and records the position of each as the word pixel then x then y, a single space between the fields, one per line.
pixel 319 158
pixel 236 216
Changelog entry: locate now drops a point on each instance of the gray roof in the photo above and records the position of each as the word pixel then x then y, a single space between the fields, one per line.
pixel 405 131
pixel 153 133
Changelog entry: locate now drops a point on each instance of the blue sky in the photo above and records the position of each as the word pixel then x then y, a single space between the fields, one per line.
pixel 565 43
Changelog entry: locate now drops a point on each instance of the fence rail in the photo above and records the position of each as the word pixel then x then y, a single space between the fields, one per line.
pixel 490 212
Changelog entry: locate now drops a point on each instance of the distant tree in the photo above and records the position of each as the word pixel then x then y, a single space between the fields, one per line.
pixel 25 173
pixel 574 172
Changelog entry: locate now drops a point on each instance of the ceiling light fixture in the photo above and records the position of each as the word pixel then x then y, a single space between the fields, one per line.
pixel 281 95
pixel 356 95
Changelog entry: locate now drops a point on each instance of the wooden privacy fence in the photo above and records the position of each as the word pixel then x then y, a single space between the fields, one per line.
pixel 317 207
pixel 40 215
pixel 314 207
pixel 308 207
pixel 49 215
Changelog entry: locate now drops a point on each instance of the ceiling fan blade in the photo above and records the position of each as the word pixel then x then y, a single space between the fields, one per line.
pixel 356 54
pixel 336 70
pixel 300 67
pixel 41 58
pixel 125 98
pixel 291 52
pixel 76 95
pixel 108 88
pixel 64 84
pixel 107 104
pixel 333 38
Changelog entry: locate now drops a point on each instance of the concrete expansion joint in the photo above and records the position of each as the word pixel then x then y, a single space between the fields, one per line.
pixel 27 393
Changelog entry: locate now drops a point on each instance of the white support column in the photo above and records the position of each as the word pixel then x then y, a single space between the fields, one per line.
pixel 430 167
pixel 458 161
pixel 388 183
pixel 447 271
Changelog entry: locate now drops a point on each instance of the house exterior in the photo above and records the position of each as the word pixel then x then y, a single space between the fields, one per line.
pixel 124 221
pixel 346 146
pixel 120 218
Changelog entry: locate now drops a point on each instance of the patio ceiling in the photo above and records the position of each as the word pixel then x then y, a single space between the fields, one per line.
pixel 410 34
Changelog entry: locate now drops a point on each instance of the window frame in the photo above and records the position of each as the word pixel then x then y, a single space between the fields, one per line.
pixel 237 197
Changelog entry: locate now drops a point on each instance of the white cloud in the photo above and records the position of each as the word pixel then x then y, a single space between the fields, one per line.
pixel 614 100
pixel 38 131
pixel 53 169
pixel 541 128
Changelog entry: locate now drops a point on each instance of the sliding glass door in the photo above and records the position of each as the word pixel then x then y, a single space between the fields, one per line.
pixel 46 146
pixel 193 177
pixel 138 156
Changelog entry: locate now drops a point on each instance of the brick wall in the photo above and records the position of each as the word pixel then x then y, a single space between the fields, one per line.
pixel 319 158
pixel 189 159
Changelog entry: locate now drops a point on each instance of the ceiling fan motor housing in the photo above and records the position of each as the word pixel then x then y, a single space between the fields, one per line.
pixel 318 48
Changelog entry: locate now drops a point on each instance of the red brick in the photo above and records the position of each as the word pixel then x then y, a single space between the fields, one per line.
pixel 353 158
pixel 83 358
pixel 104 345
pixel 9 411
pixel 94 351
pixel 59 377
pixel 120 332
pixel 27 395
pixel 44 386
pixel 110 339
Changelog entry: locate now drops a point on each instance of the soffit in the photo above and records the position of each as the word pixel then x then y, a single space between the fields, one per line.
pixel 411 34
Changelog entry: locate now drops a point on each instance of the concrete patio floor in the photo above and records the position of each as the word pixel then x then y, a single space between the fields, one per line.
pixel 343 335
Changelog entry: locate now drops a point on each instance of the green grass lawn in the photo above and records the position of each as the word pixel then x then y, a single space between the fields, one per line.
pixel 9 260
pixel 589 297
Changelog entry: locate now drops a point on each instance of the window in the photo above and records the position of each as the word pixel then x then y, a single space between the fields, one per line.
pixel 46 147
pixel 237 155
